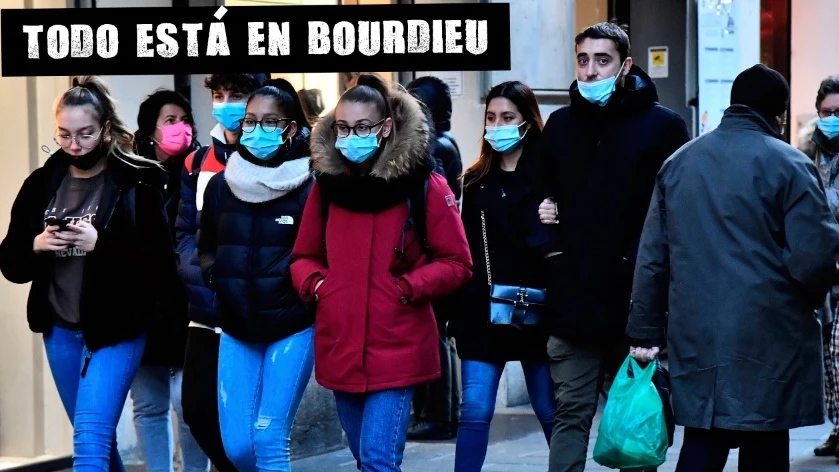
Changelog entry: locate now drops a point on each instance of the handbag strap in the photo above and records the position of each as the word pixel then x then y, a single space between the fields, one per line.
pixel 486 247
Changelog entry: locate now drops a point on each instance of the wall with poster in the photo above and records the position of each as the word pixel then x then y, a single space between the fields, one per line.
pixel 728 43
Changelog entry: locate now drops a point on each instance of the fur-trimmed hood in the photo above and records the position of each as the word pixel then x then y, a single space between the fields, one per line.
pixel 405 150
pixel 805 138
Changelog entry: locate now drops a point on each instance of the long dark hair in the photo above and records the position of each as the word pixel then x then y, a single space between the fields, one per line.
pixel 524 99
pixel 147 119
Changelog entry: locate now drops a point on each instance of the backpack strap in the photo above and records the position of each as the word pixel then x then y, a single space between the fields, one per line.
pixel 324 207
pixel 194 166
pixel 417 216
pixel 324 215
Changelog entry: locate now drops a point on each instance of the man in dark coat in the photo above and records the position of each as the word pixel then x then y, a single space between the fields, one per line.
pixel 740 247
pixel 437 403
pixel 435 94
pixel 600 158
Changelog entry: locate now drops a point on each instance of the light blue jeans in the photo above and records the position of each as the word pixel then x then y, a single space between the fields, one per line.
pixel 376 424
pixel 94 401
pixel 154 389
pixel 480 386
pixel 260 387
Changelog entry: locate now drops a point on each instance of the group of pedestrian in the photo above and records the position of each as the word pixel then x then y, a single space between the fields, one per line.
pixel 217 278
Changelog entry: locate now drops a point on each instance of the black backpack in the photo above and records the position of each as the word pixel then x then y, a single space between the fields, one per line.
pixel 416 216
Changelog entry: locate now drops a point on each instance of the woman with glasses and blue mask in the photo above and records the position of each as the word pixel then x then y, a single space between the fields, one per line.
pixel 89 231
pixel 381 239
pixel 501 221
pixel 249 224
pixel 819 139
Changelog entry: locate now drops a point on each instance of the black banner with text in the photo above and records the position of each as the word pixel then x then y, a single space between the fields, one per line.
pixel 277 39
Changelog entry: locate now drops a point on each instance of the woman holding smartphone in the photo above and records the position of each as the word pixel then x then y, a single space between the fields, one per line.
pixel 99 266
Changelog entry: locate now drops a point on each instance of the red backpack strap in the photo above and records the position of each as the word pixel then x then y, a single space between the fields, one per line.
pixel 193 161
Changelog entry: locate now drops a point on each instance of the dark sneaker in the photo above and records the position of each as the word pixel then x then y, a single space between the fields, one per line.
pixel 829 448
pixel 430 432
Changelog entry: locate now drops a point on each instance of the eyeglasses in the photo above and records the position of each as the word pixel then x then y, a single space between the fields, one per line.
pixel 362 130
pixel 825 113
pixel 85 141
pixel 267 125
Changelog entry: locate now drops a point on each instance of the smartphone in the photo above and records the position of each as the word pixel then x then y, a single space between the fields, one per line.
pixel 53 221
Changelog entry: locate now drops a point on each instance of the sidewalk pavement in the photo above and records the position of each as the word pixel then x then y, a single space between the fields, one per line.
pixel 517 445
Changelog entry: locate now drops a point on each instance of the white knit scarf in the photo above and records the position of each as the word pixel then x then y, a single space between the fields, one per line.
pixel 257 184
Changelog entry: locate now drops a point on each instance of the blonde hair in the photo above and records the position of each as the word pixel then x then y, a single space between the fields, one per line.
pixel 91 91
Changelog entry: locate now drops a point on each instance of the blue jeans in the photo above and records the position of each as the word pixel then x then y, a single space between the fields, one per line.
pixel 260 387
pixel 376 424
pixel 154 389
pixel 480 386
pixel 93 402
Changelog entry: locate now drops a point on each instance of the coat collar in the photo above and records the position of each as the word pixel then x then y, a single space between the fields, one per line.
pixel 743 117
pixel 637 93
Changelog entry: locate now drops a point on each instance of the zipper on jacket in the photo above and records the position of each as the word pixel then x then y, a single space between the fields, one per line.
pixel 84 277
pixel 252 256
pixel 113 208
pixel 87 357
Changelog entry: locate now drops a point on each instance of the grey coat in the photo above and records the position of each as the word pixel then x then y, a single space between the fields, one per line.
pixel 740 247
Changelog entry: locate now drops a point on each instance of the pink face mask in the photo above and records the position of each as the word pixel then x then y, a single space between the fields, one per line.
pixel 176 138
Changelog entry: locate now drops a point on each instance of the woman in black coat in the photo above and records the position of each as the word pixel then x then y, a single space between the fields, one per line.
pixel 165 134
pixel 499 194
pixel 248 227
pixel 89 232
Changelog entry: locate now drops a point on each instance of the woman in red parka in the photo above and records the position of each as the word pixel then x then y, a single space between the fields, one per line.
pixel 373 278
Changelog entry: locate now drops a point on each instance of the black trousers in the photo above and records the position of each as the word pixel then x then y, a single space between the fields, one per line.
pixel 199 395
pixel 707 450
pixel 439 401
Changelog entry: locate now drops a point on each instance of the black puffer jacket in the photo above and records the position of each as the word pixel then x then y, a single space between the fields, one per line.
pixel 245 253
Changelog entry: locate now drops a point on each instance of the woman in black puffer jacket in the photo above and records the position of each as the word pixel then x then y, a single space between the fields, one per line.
pixel 248 226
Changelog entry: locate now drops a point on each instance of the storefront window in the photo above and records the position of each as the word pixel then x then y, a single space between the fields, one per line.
pixel 775 39
pixel 775 35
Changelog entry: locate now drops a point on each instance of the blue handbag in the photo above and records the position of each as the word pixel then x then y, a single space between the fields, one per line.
pixel 510 304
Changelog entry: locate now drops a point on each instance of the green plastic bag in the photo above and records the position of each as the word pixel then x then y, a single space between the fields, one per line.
pixel 633 432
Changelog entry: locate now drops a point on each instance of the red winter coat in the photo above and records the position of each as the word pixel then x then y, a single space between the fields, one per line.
pixel 374 328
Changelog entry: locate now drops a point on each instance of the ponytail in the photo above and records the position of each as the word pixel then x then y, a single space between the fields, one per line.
pixel 93 92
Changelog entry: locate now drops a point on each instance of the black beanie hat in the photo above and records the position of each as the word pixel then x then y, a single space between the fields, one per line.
pixel 762 89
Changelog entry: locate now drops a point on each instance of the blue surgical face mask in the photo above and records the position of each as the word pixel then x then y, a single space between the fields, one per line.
pixel 601 91
pixel 829 126
pixel 357 149
pixel 504 138
pixel 229 114
pixel 263 145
